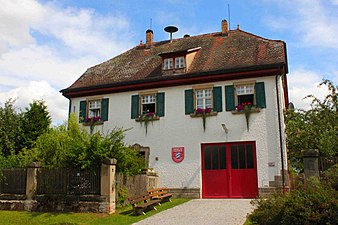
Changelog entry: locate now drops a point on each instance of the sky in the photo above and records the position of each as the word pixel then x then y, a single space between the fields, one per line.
pixel 46 45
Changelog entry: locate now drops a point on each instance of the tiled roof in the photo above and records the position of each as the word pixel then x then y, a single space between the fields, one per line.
pixel 238 49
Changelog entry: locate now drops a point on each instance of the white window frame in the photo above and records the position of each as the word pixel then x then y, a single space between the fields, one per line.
pixel 149 98
pixel 247 88
pixel 179 62
pixel 94 108
pixel 168 63
pixel 202 97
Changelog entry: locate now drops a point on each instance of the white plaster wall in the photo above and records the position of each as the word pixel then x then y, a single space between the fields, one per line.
pixel 176 129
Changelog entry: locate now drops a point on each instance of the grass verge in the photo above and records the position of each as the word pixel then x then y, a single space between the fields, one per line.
pixel 122 216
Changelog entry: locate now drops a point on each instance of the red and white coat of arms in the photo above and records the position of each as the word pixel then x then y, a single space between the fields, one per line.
pixel 177 154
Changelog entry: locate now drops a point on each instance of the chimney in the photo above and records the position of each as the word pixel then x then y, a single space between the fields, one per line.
pixel 149 38
pixel 225 28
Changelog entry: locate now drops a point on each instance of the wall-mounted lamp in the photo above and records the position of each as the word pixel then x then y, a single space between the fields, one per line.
pixel 224 128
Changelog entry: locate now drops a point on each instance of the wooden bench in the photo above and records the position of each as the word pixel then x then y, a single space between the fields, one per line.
pixel 160 194
pixel 142 203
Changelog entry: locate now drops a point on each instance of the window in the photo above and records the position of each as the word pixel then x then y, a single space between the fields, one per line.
pixel 245 93
pixel 168 64
pixel 203 98
pixel 179 62
pixel 214 157
pixel 94 108
pixel 147 103
pixel 242 156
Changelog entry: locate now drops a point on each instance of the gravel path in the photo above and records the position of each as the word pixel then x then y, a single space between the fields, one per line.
pixel 203 212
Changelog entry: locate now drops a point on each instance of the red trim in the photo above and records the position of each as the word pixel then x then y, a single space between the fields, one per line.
pixel 172 82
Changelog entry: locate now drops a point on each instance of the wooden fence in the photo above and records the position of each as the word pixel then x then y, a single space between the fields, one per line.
pixel 136 185
pixel 68 181
pixel 13 181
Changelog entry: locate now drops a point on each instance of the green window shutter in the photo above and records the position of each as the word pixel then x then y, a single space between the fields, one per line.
pixel 134 106
pixel 189 101
pixel 260 95
pixel 217 92
pixel 83 111
pixel 104 109
pixel 230 98
pixel 160 104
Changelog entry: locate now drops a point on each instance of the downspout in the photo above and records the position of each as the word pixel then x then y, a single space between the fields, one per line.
pixel 280 131
pixel 69 107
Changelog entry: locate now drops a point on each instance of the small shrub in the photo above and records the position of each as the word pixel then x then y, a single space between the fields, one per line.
pixel 330 177
pixel 314 204
pixel 122 194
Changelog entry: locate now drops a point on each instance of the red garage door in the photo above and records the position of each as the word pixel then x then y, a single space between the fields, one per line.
pixel 229 170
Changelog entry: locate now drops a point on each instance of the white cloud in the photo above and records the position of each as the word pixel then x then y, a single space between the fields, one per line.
pixel 302 83
pixel 314 23
pixel 44 48
pixel 56 104
pixel 16 17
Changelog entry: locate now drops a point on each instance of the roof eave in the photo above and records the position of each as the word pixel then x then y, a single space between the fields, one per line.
pixel 174 80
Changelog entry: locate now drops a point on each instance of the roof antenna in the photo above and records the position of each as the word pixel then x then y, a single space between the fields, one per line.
pixel 171 30
pixel 229 16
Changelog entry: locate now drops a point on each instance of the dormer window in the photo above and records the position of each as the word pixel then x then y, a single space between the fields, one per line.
pixel 168 64
pixel 177 63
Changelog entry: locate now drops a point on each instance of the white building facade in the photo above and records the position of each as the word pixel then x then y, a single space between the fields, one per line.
pixel 217 136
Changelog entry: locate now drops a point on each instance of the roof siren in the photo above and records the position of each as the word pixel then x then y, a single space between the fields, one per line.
pixel 171 30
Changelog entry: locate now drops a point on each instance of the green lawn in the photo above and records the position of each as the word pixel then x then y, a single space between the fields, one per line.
pixel 121 217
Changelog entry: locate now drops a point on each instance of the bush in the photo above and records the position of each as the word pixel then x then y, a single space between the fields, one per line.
pixel 71 146
pixel 330 177
pixel 314 204
pixel 122 194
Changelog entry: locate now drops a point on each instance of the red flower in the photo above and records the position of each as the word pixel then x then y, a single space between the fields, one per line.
pixel 150 114
pixel 207 110
pixel 240 107
pixel 199 111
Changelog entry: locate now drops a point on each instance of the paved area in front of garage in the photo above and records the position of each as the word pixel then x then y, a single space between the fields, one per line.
pixel 203 212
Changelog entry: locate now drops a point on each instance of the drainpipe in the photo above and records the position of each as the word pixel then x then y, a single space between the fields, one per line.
pixel 69 107
pixel 280 131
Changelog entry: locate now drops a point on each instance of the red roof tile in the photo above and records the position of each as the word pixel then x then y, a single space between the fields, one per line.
pixel 238 49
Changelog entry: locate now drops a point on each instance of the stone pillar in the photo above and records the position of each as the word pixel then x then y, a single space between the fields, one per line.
pixel 310 159
pixel 108 169
pixel 31 184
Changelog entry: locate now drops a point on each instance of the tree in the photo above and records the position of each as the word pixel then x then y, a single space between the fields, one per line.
pixel 69 146
pixel 9 128
pixel 34 122
pixel 316 128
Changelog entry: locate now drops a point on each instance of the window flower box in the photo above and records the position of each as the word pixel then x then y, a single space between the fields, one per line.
pixel 95 120
pixel 92 122
pixel 204 113
pixel 246 109
pixel 146 118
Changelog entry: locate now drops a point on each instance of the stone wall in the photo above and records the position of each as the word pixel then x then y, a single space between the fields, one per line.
pixel 103 203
